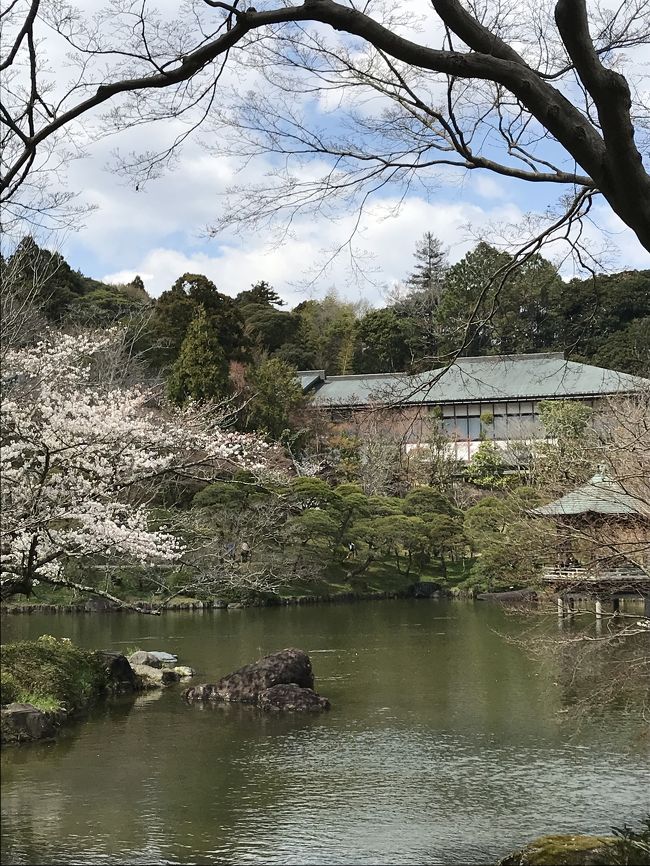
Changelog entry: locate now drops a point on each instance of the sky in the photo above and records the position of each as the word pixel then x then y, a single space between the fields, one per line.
pixel 160 231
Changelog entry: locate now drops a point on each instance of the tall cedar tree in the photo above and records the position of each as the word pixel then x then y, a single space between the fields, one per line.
pixel 201 370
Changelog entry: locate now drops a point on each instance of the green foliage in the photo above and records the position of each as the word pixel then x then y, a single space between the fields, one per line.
pixel 228 494
pixel 596 313
pixel 191 296
pixel 385 339
pixel 487 468
pixel 50 672
pixel 326 337
pixel 201 370
pixel 430 262
pixel 64 294
pixel 259 294
pixel 312 493
pixel 564 419
pixel 627 349
pixel 422 501
pixel 516 312
pixel 275 398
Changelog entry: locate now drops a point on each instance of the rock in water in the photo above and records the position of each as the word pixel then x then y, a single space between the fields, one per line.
pixel 119 673
pixel 291 697
pixel 565 850
pixel 246 684
pixel 142 657
pixel 154 677
pixel 163 657
pixel 24 722
pixel 286 666
pixel 183 671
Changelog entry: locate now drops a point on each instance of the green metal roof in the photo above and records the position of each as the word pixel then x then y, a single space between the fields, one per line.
pixel 490 378
pixel 600 495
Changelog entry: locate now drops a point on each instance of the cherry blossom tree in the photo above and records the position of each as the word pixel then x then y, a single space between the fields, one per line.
pixel 81 462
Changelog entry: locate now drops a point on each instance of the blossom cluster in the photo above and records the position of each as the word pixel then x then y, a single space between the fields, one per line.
pixel 79 459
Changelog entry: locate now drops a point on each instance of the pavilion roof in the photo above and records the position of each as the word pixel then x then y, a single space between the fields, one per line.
pixel 600 495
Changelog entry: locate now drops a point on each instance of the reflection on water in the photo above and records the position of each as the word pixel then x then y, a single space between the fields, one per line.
pixel 444 745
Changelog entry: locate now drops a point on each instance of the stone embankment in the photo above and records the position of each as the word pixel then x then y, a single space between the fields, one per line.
pixel 417 590
pixel 277 682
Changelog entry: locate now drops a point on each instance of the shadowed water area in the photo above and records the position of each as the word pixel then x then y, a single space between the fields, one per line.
pixel 445 744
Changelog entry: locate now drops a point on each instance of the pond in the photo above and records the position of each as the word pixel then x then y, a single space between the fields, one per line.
pixel 445 744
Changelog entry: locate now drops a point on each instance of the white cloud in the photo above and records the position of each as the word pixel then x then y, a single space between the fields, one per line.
pixel 385 246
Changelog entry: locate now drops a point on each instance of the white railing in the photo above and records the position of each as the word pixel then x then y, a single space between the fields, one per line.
pixel 580 573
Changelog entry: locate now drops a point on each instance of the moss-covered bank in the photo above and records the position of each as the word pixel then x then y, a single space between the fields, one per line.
pixel 45 682
pixel 626 848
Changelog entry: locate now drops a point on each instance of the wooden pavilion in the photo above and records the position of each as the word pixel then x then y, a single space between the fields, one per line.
pixel 603 545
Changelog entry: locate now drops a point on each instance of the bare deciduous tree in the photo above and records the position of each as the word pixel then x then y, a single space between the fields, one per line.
pixel 544 92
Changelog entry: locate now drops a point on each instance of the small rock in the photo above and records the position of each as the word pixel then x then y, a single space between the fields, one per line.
pixel 153 677
pixel 183 671
pixel 290 697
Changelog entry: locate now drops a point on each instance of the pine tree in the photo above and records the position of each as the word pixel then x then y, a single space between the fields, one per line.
pixel 201 370
pixel 429 270
pixel 425 289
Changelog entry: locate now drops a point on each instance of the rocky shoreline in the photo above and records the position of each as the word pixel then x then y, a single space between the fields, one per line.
pixel 111 673
pixel 280 682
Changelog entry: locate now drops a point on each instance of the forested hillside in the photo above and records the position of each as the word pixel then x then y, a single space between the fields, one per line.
pixel 207 344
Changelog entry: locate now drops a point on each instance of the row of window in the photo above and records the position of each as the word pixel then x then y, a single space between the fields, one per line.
pixel 502 427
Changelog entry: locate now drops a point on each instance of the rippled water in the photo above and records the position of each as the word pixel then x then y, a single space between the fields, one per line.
pixel 445 744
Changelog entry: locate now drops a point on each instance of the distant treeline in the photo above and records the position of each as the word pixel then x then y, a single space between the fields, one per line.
pixel 192 327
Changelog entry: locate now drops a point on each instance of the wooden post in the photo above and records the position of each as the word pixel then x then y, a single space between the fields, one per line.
pixel 599 609
pixel 570 606
pixel 560 606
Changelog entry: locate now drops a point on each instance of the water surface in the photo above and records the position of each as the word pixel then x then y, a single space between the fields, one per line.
pixel 445 744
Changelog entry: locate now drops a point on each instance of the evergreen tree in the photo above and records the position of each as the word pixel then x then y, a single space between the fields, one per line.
pixel 506 310
pixel 201 370
pixel 276 396
pixel 260 293
pixel 430 266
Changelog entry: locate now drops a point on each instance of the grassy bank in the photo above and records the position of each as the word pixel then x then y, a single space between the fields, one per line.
pixel 50 674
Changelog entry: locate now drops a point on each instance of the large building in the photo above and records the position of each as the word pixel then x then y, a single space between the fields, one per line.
pixel 491 397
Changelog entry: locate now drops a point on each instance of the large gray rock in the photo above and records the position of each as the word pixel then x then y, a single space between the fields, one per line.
pixel 290 697
pixel 163 657
pixel 245 684
pixel 154 677
pixel 24 722
pixel 142 657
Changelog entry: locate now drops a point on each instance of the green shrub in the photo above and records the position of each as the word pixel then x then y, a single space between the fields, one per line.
pixel 51 672
pixel 8 689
